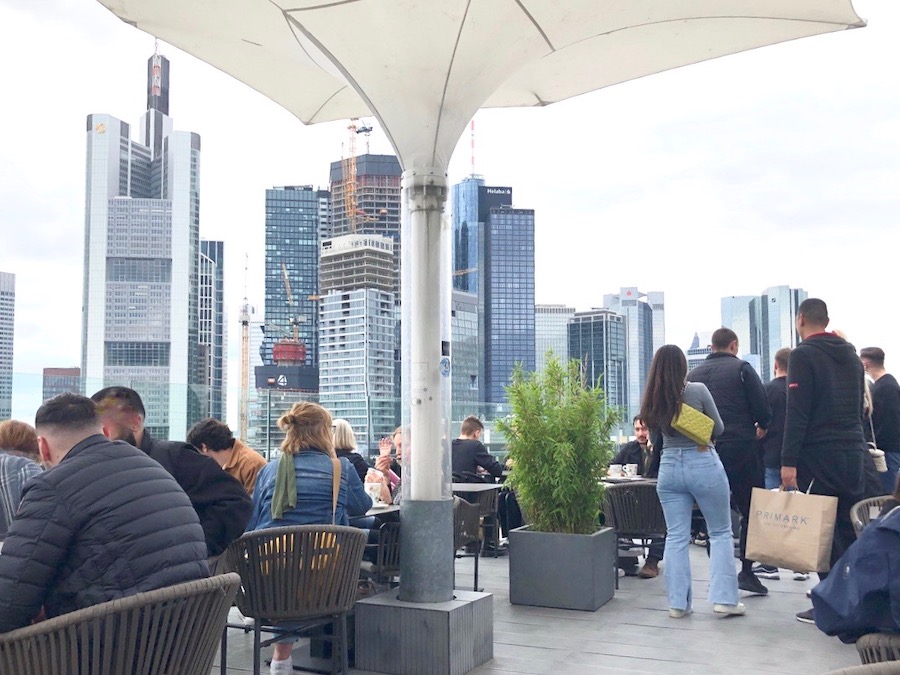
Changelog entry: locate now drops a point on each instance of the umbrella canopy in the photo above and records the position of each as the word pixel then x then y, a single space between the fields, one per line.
pixel 423 68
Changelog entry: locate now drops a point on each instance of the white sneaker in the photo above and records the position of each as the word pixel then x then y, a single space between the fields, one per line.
pixel 285 667
pixel 732 610
pixel 249 621
pixel 801 576
pixel 678 613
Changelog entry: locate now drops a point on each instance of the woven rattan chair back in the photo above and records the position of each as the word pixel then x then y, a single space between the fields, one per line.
pixel 633 510
pixel 869 669
pixel 864 512
pixel 171 631
pixel 879 648
pixel 387 561
pixel 298 572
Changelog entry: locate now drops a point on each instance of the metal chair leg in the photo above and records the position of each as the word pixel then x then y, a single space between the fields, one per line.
pixel 256 648
pixel 223 648
pixel 477 556
pixel 345 649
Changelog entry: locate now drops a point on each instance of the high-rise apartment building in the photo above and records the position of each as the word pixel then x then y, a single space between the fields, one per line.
pixel 140 320
pixel 764 324
pixel 465 351
pixel 597 338
pixel 61 381
pixel 357 334
pixel 375 194
pixel 294 216
pixel 7 329
pixel 212 332
pixel 551 333
pixel 507 282
pixel 645 325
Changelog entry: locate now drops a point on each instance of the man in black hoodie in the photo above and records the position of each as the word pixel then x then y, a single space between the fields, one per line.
pixel 823 437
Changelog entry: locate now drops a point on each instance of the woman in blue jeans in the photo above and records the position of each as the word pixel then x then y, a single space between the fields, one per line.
pixel 690 474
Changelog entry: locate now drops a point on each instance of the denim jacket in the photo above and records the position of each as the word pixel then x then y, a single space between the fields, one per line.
pixel 314 479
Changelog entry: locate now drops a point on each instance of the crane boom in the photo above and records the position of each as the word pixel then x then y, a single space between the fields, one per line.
pixel 290 298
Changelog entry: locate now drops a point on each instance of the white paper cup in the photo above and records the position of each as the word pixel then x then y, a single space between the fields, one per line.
pixel 615 470
pixel 631 470
pixel 374 491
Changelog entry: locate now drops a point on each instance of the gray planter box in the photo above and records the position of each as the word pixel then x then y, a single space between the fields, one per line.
pixel 566 571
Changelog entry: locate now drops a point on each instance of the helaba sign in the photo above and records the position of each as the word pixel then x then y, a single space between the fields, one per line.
pixel 498 191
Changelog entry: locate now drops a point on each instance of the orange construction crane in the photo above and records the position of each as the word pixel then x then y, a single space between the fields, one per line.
pixel 348 167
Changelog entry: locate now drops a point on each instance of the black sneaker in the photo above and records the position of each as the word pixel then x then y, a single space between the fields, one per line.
pixel 806 617
pixel 747 581
pixel 766 572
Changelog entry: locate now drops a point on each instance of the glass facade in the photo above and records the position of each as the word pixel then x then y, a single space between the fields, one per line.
pixel 471 203
pixel 507 291
pixel 551 333
pixel 60 381
pixel 292 262
pixel 7 329
pixel 212 329
pixel 597 339
pixel 464 352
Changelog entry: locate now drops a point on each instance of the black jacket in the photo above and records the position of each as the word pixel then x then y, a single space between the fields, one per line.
pixel 105 523
pixel 357 460
pixel 823 434
pixel 630 453
pixel 886 413
pixel 221 502
pixel 738 394
pixel 469 454
pixel 770 444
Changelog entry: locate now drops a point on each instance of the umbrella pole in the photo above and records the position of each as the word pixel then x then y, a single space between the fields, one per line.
pixel 426 566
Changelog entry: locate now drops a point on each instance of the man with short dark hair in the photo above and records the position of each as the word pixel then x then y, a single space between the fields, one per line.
pixel 741 401
pixel 222 504
pixel 885 413
pixel 214 439
pixel 104 521
pixel 823 442
pixel 469 453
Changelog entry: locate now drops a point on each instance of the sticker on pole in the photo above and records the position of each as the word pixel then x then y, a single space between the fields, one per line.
pixel 445 367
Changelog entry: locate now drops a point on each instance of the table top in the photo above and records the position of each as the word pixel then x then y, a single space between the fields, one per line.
pixel 627 479
pixel 476 487
pixel 383 509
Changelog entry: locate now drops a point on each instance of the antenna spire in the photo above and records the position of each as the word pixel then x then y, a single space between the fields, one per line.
pixel 472 136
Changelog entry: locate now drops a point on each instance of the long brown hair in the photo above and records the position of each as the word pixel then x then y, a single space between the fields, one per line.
pixel 664 389
pixel 307 426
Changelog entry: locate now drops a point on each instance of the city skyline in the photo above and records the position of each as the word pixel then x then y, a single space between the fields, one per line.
pixel 733 157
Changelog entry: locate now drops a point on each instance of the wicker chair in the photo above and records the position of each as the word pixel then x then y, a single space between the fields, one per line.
pixel 886 668
pixel 173 630
pixel 879 648
pixel 634 512
pixel 387 555
pixel 465 531
pixel 861 513
pixel 299 578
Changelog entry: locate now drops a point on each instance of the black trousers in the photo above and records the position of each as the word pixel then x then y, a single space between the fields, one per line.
pixel 745 472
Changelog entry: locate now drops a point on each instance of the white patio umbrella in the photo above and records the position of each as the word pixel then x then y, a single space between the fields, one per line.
pixel 423 68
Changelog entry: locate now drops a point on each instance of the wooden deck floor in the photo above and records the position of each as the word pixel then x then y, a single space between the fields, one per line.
pixel 634 634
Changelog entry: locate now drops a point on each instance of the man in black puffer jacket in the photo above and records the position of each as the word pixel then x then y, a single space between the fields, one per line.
pixel 103 522
pixel 221 502
pixel 741 402
pixel 823 436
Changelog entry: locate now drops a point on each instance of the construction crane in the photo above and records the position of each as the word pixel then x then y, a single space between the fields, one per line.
pixel 244 408
pixel 294 322
pixel 290 351
pixel 351 182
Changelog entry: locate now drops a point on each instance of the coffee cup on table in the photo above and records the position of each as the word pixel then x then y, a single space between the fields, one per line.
pixel 615 471
pixel 374 491
pixel 631 469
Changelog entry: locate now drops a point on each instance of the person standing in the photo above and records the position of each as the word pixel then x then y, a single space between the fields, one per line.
pixel 823 445
pixel 741 401
pixel 690 473
pixel 885 413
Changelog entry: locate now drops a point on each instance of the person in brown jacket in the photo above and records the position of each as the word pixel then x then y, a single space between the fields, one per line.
pixel 214 438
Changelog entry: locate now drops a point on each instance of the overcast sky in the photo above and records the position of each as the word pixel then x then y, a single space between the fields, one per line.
pixel 778 166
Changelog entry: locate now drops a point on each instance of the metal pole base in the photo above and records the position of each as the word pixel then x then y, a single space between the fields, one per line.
pixel 426 545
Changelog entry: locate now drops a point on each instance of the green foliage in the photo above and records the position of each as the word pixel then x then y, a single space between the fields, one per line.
pixel 559 441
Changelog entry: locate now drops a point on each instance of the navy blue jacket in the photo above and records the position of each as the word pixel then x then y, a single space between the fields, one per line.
pixel 862 593
pixel 105 523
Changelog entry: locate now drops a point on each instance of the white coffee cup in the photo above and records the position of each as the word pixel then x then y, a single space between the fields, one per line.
pixel 631 469
pixel 374 491
pixel 615 470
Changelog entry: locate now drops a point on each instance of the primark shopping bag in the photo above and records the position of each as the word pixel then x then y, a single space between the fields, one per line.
pixel 793 530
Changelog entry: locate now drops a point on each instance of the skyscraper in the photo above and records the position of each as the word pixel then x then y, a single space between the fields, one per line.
pixel 645 333
pixel 357 334
pixel 506 280
pixel 7 329
pixel 465 352
pixel 140 320
pixel 293 222
pixel 700 348
pixel 597 339
pixel 551 333
pixel 375 194
pixel 61 381
pixel 471 203
pixel 740 314
pixel 212 333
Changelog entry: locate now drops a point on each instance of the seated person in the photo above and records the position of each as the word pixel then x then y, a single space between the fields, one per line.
pixel 104 521
pixel 864 596
pixel 468 453
pixel 298 488
pixel 19 457
pixel 641 451
pixel 345 446
pixel 214 439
